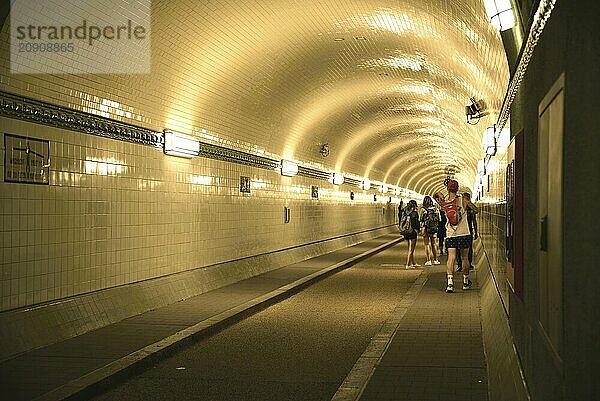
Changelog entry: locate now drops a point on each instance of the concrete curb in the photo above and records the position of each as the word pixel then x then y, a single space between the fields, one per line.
pixel 100 379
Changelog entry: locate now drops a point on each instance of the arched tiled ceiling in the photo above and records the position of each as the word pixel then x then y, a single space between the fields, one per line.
pixel 383 82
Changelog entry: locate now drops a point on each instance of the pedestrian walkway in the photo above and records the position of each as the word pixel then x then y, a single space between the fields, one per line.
pixel 80 366
pixel 430 348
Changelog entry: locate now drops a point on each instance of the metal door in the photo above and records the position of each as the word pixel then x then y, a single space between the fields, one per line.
pixel 550 228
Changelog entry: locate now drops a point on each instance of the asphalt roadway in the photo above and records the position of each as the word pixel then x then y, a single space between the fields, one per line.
pixel 301 348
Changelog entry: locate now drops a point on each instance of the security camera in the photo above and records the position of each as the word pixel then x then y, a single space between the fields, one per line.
pixel 476 105
pixel 474 111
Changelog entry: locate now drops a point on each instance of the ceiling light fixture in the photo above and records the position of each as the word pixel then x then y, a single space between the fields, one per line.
pixel 481 167
pixel 177 144
pixel 337 178
pixel 489 141
pixel 500 13
pixel 289 168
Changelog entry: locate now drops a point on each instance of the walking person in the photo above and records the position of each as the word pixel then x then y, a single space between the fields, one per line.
pixel 409 228
pixel 441 234
pixel 472 221
pixel 458 237
pixel 430 219
pixel 400 208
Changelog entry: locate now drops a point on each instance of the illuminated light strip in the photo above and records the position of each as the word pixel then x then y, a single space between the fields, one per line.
pixel 541 17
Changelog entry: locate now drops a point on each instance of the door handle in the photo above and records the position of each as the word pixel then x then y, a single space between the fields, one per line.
pixel 544 234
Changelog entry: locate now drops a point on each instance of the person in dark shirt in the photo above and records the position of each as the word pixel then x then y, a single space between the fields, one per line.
pixel 430 219
pixel 400 209
pixel 411 238
pixel 472 221
pixel 441 234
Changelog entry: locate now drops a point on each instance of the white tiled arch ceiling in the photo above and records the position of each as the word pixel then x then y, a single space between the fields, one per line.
pixel 384 83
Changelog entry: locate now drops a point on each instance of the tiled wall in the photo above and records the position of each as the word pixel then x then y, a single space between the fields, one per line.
pixel 117 213
pixel 505 374
pixel 505 380
pixel 492 220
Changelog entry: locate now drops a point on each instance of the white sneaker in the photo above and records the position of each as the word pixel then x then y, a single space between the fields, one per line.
pixel 436 262
pixel 428 263
pixel 416 265
pixel 407 267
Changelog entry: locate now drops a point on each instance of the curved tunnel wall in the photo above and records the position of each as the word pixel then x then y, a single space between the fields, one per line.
pixel 267 79
pixel 285 78
pixel 117 213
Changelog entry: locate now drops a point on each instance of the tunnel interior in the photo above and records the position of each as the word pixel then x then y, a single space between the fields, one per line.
pixel 309 125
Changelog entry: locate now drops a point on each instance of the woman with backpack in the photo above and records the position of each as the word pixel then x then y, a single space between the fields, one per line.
pixel 458 237
pixel 409 227
pixel 441 234
pixel 430 219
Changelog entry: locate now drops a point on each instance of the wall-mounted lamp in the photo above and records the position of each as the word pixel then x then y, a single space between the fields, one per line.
pixel 481 167
pixel 500 13
pixel 366 184
pixel 489 141
pixel 289 168
pixel 337 178
pixel 181 145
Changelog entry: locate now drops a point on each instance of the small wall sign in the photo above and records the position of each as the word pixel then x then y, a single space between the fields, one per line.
pixel 314 192
pixel 26 160
pixel 245 184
